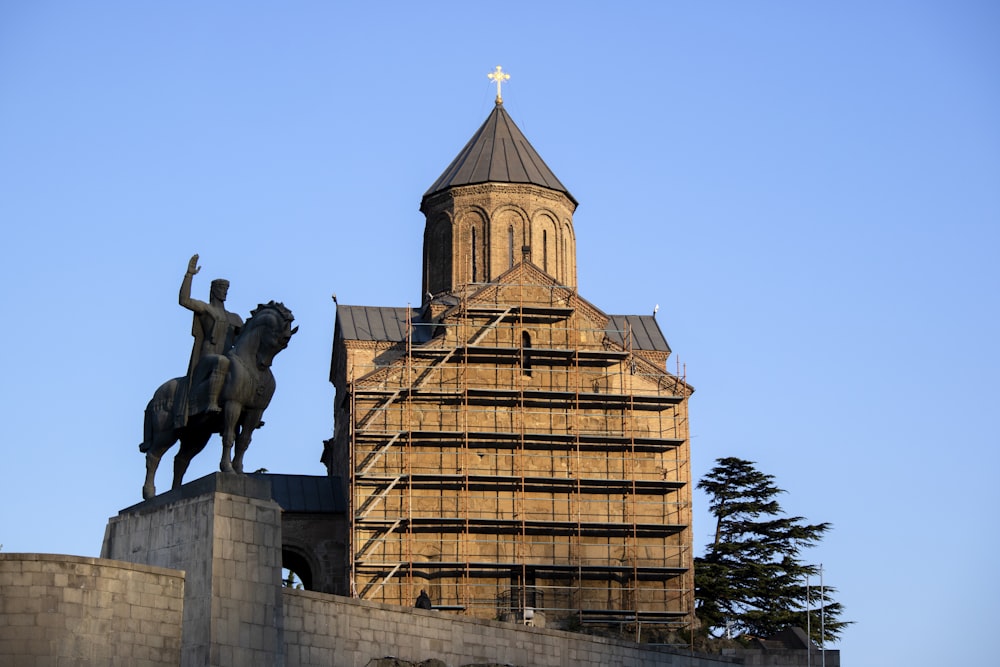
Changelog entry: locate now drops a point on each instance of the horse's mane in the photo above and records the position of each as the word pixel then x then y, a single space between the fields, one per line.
pixel 276 307
pixel 262 315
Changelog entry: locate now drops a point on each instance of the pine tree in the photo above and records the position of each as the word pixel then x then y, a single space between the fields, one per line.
pixel 751 580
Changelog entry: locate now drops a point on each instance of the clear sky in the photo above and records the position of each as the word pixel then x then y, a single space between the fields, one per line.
pixel 809 190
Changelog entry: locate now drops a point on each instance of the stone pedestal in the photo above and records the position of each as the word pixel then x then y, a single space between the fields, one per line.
pixel 224 531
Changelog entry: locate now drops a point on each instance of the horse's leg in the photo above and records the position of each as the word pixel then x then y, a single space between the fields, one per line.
pixel 158 432
pixel 159 438
pixel 191 445
pixel 251 418
pixel 163 442
pixel 230 417
pixel 149 485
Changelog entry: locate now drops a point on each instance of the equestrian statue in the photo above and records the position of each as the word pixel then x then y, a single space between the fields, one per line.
pixel 227 387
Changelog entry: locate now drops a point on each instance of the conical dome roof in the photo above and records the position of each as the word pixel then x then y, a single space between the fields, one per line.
pixel 498 153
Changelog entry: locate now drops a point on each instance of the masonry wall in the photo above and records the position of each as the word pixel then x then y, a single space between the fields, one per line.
pixel 521 459
pixel 790 658
pixel 329 631
pixel 477 232
pixel 84 612
pixel 319 542
pixel 225 532
pixel 71 610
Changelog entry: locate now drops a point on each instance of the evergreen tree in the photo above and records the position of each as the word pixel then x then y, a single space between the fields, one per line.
pixel 751 580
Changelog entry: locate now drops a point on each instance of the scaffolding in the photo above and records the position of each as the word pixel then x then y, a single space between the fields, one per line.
pixel 522 464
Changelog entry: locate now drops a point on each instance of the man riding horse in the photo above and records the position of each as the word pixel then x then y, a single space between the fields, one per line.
pixel 228 385
pixel 214 329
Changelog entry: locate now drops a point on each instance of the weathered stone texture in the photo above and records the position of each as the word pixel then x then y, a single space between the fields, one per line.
pixel 320 541
pixel 476 233
pixel 328 631
pixel 225 532
pixel 523 415
pixel 71 610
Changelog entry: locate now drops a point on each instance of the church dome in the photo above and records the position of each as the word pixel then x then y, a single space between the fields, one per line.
pixel 498 153
pixel 496 205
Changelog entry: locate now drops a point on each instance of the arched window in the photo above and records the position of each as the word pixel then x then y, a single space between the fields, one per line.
pixel 510 246
pixel 545 250
pixel 439 262
pixel 475 276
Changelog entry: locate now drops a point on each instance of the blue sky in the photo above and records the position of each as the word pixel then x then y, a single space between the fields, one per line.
pixel 810 192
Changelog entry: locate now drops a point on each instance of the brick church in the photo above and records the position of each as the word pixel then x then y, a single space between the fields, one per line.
pixel 507 457
pixel 508 447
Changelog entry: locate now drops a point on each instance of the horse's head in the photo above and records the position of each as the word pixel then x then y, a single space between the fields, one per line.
pixel 269 329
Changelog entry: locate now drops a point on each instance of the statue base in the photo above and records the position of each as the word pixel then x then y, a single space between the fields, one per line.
pixel 224 531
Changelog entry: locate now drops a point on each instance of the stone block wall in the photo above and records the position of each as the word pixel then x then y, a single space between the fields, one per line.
pixel 225 532
pixel 789 658
pixel 319 543
pixel 71 610
pixel 329 631
pixel 475 233
pixel 566 454
pixel 87 612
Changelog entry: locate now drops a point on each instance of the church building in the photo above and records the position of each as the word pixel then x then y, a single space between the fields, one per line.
pixel 509 448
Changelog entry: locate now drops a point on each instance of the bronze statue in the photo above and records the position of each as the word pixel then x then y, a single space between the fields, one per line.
pixel 214 329
pixel 228 386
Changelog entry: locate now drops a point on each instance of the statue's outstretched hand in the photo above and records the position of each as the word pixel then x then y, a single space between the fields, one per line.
pixel 193 267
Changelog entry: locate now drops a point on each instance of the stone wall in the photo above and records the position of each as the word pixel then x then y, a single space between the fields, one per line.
pixel 545 467
pixel 88 612
pixel 330 631
pixel 224 531
pixel 475 233
pixel 789 658
pixel 319 543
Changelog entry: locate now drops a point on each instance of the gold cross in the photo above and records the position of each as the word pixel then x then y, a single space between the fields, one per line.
pixel 499 77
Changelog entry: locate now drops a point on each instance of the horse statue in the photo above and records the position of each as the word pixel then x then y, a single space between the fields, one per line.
pixel 178 409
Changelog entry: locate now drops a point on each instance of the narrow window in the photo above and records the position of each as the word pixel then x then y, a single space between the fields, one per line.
pixel 545 251
pixel 475 277
pixel 510 246
pixel 525 358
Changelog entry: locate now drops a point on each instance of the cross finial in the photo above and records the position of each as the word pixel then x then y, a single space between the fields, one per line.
pixel 498 76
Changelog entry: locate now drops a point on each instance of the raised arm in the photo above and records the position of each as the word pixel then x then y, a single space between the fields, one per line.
pixel 184 298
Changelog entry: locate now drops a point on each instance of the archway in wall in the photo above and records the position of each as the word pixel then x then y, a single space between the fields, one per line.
pixel 295 569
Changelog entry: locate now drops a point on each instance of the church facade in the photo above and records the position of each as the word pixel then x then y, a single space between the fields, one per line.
pixel 508 447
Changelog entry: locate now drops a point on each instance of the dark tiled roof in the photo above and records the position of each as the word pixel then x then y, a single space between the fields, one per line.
pixel 373 322
pixel 498 153
pixel 646 334
pixel 307 493
pixel 382 323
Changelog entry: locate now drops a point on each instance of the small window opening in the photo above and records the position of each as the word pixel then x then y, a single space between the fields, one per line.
pixel 545 251
pixel 475 272
pixel 525 356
